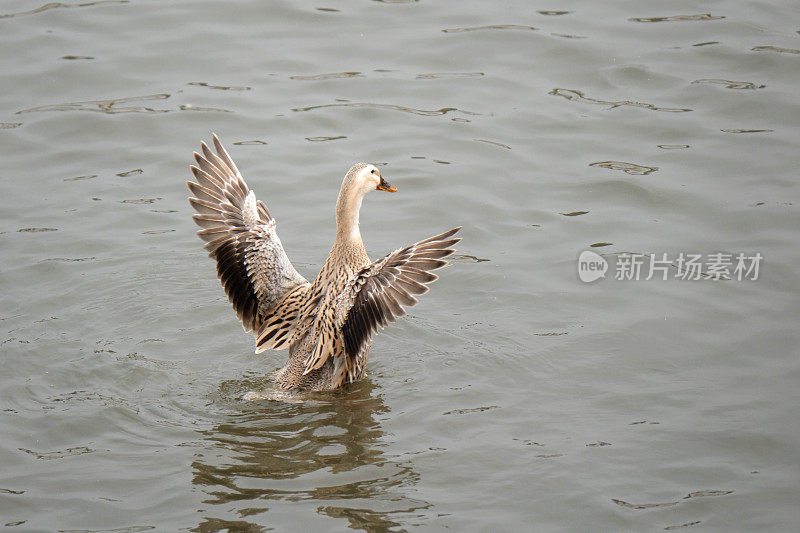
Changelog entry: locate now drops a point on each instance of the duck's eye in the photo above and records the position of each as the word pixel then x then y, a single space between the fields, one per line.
pixel 373 171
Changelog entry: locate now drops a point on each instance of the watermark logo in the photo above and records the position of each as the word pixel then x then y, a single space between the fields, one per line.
pixel 591 266
pixel 684 266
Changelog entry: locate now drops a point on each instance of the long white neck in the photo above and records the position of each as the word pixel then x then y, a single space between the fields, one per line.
pixel 348 207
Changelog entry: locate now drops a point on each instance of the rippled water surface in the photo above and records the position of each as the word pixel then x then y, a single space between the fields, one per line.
pixel 515 396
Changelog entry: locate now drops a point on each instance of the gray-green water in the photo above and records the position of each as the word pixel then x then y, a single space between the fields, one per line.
pixel 515 397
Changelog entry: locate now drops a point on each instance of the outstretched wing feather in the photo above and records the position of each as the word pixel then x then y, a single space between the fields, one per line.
pixel 377 294
pixel 240 235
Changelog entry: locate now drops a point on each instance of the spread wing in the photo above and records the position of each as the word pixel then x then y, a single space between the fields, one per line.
pixel 378 293
pixel 239 231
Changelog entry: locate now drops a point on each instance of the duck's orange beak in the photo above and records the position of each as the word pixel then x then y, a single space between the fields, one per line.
pixel 385 186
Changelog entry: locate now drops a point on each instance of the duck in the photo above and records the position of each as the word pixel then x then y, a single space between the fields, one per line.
pixel 327 324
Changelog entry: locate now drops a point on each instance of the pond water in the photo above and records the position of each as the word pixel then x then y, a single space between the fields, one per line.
pixel 515 396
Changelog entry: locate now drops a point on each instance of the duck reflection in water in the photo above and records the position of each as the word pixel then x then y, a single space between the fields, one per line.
pixel 306 457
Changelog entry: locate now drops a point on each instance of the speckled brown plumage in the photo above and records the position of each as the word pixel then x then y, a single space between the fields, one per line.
pixel 327 325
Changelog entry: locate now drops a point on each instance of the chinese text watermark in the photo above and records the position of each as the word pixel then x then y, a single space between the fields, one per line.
pixel 738 266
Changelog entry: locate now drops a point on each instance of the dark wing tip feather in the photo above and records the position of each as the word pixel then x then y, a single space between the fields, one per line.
pixel 232 273
pixel 448 243
pixel 204 206
pixel 441 236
